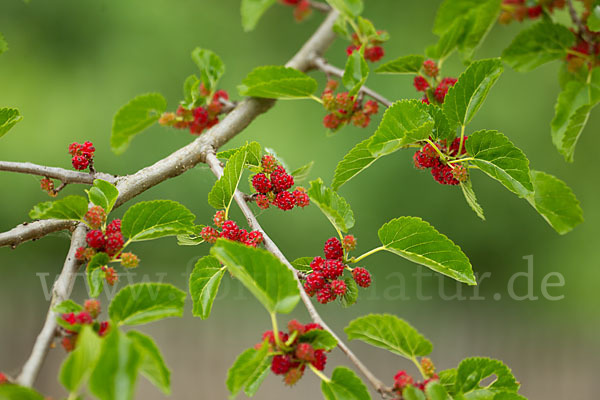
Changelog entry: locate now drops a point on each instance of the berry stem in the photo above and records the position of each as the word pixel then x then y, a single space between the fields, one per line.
pixel 461 160
pixel 442 156
pixel 418 364
pixel 462 139
pixel 367 254
pixel 291 339
pixel 276 331
pixel 315 98
pixel 319 373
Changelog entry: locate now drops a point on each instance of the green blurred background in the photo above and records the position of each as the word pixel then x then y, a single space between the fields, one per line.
pixel 72 64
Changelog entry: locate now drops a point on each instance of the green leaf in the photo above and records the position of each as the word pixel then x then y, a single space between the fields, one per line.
pixel 410 64
pixel 16 392
pixel 319 339
pixel 8 118
pixel 351 295
pixel 472 371
pixel 593 21
pixel 334 206
pixel 267 278
pixel 498 157
pixel 152 365
pixel 302 264
pixel 348 8
pixel 389 333
pixel 116 370
pixel 300 174
pixel 242 373
pixel 134 117
pixel 70 207
pixel 3 44
pixel 540 43
pixel 210 65
pixel 355 73
pixel 435 391
pixel 277 82
pixel 103 194
pixel 467 189
pixel 67 306
pixel 417 241
pixel 204 284
pixel 344 385
pixel 253 154
pixel 221 194
pixel 555 201
pixel 252 10
pixel 466 97
pixel 403 123
pixel 357 160
pixel 412 393
pixel 94 273
pixel 258 377
pixel 146 302
pixel 441 128
pixel 155 219
pixel 476 16
pixel 80 362
pixel 191 87
pixel 448 42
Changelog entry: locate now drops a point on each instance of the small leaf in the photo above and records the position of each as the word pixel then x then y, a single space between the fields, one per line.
pixel 442 130
pixel 117 368
pixel 103 194
pixel 157 218
pixel 467 189
pixel 349 8
pixel 472 371
pixel 410 64
pixel 389 333
pixel 257 378
pixel 412 393
pixel 302 264
pixel 498 157
pixel 253 156
pixel 16 392
pixel 94 273
pixel 448 42
pixel 191 92
pixel 466 97
pixel 277 82
pixel 417 241
pixel 152 365
pixel 70 207
pixel 555 201
pixel 435 391
pixel 221 194
pixel 334 206
pixel 242 372
pixel 302 173
pixel 204 284
pixel 8 118
pixel 134 117
pixel 80 362
pixel 267 278
pixel 146 302
pixel 210 65
pixel 540 43
pixel 319 339
pixel 403 123
pixel 355 73
pixel 67 306
pixel 357 160
pixel 252 10
pixel 593 21
pixel 351 295
pixel 344 385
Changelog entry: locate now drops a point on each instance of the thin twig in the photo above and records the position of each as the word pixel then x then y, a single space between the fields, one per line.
pixel 64 175
pixel 585 34
pixel 329 69
pixel 60 292
pixel 379 386
pixel 33 230
pixel 324 8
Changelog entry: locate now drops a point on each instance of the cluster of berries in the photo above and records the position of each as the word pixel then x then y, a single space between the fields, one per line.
pixel 74 321
pixel 83 155
pixel 197 119
pixel 430 83
pixel 230 230
pixel 344 108
pixel 373 52
pixel 402 379
pixel 47 186
pixel 272 186
pixel 518 10
pixel 301 8
pixel 324 279
pixel 442 171
pixel 293 351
